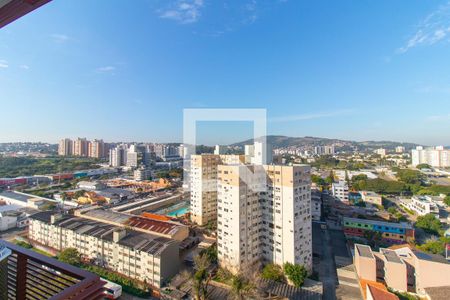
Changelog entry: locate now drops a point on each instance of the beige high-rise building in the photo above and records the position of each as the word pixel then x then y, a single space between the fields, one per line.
pixel 96 148
pixel 80 147
pixel 203 182
pixel 65 147
pixel 272 225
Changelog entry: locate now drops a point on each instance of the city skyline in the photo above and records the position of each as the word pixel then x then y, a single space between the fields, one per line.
pixel 385 78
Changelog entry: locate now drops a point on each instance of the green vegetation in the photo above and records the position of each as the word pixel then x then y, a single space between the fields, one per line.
pixel 211 253
pixel 27 166
pixel 318 180
pixel 378 185
pixel 447 200
pixel 70 256
pixel 174 173
pixel 73 257
pixel 423 166
pixel 128 285
pixel 295 273
pixel 23 244
pixel 241 286
pixel 435 246
pixel 29 246
pixel 404 295
pixel 410 176
pixel 328 161
pixel 429 223
pixel 396 214
pixel 273 272
pixel 202 276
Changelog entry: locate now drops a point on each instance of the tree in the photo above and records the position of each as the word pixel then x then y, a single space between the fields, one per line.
pixel 410 176
pixel 423 166
pixel 240 286
pixel 429 223
pixel 373 238
pixel 201 277
pixel 447 200
pixel 317 179
pixel 295 273
pixel 392 210
pixel 330 178
pixel 70 256
pixel 273 272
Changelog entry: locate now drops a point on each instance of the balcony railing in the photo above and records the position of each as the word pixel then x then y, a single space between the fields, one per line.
pixel 25 274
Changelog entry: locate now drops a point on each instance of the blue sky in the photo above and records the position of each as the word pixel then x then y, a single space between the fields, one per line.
pixel 362 70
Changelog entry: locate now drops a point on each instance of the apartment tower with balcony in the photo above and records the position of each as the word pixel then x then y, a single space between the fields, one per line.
pixel 263 215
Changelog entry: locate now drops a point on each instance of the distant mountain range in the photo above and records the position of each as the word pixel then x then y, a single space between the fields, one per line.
pixel 280 141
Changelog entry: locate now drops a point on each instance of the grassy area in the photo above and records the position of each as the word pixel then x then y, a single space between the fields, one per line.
pixel 27 166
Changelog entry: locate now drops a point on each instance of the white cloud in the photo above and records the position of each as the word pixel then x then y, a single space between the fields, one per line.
pixel 106 69
pixel 25 67
pixel 59 38
pixel 433 29
pixel 311 116
pixel 183 11
pixel 3 64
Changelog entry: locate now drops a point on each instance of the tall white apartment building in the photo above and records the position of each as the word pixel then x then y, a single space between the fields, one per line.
pixel 132 157
pixel 118 156
pixel 324 150
pixel 381 152
pixel 262 154
pixel 203 185
pixel 269 226
pixel 436 157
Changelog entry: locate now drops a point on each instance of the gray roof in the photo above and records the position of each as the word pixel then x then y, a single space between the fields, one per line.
pixel 391 256
pixel 438 293
pixel 364 251
pixel 430 257
pixel 134 240
pixel 15 196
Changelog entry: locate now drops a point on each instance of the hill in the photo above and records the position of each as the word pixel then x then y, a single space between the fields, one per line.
pixel 280 141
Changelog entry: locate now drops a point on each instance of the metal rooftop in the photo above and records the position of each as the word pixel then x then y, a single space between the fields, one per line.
pixel 364 251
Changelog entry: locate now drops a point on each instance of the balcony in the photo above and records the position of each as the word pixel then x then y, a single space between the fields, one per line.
pixel 25 274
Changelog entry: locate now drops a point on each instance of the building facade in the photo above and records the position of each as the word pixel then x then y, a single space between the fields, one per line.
pixel 391 233
pixel 402 268
pixel 436 157
pixel 340 190
pixel 422 205
pixel 80 147
pixel 65 147
pixel 137 255
pixel 270 226
pixel 203 185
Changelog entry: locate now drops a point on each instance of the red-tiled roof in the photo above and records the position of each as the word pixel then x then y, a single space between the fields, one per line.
pixel 152 225
pixel 380 294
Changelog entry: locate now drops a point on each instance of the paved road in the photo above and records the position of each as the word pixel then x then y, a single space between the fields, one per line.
pixel 328 274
